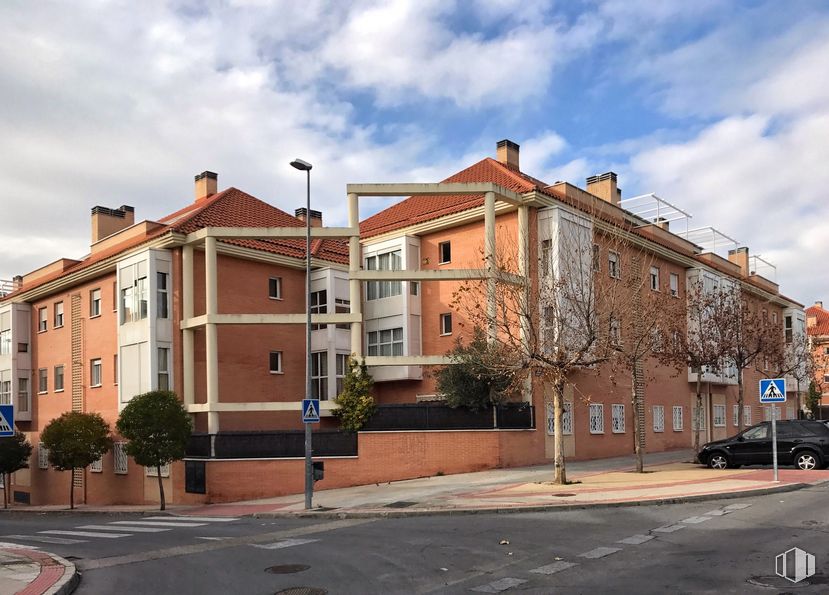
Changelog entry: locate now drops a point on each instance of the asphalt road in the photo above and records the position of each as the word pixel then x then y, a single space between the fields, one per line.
pixel 724 546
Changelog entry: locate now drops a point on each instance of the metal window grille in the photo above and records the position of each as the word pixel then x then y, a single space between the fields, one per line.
pixel 152 472
pixel 719 416
pixel 747 416
pixel 736 415
pixel 618 419
pixel 789 412
pixel 596 418
pixel 566 419
pixel 42 456
pixel 97 466
pixel 677 418
pixel 699 418
pixel 658 418
pixel 119 457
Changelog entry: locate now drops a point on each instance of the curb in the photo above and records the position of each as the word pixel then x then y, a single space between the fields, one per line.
pixel 357 514
pixel 69 581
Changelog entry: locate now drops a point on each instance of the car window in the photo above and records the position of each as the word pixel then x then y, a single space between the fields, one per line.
pixel 755 433
pixel 787 430
pixel 811 428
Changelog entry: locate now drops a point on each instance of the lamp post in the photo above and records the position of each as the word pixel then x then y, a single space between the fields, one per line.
pixel 309 473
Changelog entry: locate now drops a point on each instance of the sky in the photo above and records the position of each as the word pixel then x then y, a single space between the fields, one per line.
pixel 721 108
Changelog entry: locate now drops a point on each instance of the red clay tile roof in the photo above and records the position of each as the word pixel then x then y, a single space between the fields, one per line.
pixel 417 209
pixel 821 326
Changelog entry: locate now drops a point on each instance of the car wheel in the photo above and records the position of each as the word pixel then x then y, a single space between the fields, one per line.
pixel 718 461
pixel 806 460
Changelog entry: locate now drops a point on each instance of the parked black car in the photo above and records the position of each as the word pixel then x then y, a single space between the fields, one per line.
pixel 802 443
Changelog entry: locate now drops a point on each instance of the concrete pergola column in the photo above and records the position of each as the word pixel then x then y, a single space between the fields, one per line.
pixel 354 259
pixel 188 369
pixel 491 264
pixel 523 271
pixel 212 334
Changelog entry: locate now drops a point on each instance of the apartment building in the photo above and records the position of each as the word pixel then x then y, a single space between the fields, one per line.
pixel 817 322
pixel 210 301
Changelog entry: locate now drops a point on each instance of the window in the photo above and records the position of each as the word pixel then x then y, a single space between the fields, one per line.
pixel 596 258
pixel 774 318
pixel 788 327
pixel 275 288
pixel 414 287
pixel 275 365
pixel 319 375
pixel 42 380
pixel 566 419
pixel 342 306
pixel 319 305
pixel 58 378
pixel 658 418
pixel 546 257
pixel 747 416
pixel 699 418
pixel 115 296
pixel 386 342
pixel 94 303
pixel 153 471
pixel 22 394
pixel 446 324
pixel 549 329
pixel 342 368
pixel 5 387
pixel 778 412
pixel 789 412
pixel 119 458
pixel 758 433
pixel 444 252
pixel 116 373
pixel 655 278
pixel 161 295
pixel 42 456
pixel 95 372
pixel 41 320
pixel 736 415
pixel 134 293
pixel 613 266
pixel 388 261
pixel 163 368
pixel 677 418
pixel 596 418
pixel 719 416
pixel 615 332
pixel 97 466
pixel 58 314
pixel 5 333
pixel 674 278
pixel 617 419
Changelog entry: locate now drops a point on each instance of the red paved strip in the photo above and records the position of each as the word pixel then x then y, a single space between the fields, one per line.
pixel 234 509
pixel 51 571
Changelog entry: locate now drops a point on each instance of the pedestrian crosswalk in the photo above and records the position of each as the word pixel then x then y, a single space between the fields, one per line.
pixel 116 529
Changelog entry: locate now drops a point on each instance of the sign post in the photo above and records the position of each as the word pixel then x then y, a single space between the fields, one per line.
pixel 773 390
pixel 6 421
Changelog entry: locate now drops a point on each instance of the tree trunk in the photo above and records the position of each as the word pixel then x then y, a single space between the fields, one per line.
pixel 8 478
pixel 637 428
pixel 697 410
pixel 72 489
pixel 558 411
pixel 740 395
pixel 160 488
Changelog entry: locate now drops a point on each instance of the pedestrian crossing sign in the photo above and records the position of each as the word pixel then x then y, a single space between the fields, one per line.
pixel 773 390
pixel 310 411
pixel 6 421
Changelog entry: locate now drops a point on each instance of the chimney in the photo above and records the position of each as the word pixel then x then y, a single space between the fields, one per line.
pixel 819 304
pixel 604 186
pixel 206 185
pixel 106 222
pixel 316 217
pixel 663 223
pixel 17 282
pixel 740 258
pixel 507 153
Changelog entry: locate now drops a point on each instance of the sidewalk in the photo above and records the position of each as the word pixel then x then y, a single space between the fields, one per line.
pixel 30 572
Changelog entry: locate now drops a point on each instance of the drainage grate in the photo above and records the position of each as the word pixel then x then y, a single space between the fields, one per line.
pixel 400 504
pixel 301 591
pixel 287 568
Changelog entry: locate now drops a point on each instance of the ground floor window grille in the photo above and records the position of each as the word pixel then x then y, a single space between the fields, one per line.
pixel 736 415
pixel 747 416
pixel 596 418
pixel 42 456
pixel 153 472
pixel 97 466
pixel 618 418
pixel 119 457
pixel 658 418
pixel 719 416
pixel 677 418
pixel 789 412
pixel 566 419
pixel 699 418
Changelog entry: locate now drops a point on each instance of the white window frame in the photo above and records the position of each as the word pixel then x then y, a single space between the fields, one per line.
pixel 700 417
pixel 275 288
pixel 677 421
pixel 162 289
pixel 59 316
pixel 42 381
pixel 280 369
pixel 376 345
pixel 97 466
pixel 164 368
pixel 546 257
pixel 341 367
pixel 654 278
pixel 318 304
pixel 93 364
pixel 446 324
pixel 441 259
pixel 23 394
pixel 596 421
pixel 658 418
pixel 391 260
pixel 566 419
pixel 120 460
pixel 152 472
pixel 736 415
pixel 42 456
pixel 614 267
pixel 617 418
pixel 59 389
pixel 747 421
pixel 319 375
pixel 6 387
pixel 674 281
pixel 42 319
pixel 719 416
pixel 95 303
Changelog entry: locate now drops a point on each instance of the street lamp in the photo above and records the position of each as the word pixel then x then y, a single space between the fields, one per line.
pixel 309 473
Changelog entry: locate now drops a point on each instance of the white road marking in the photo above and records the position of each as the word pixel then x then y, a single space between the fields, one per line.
pixel 738 506
pixel 718 512
pixel 600 552
pixel 499 585
pixel 44 539
pixel 635 539
pixel 123 528
pixel 278 545
pixel 158 523
pixel 213 538
pixel 694 520
pixel 206 519
pixel 553 568
pixel 669 528
pixel 87 534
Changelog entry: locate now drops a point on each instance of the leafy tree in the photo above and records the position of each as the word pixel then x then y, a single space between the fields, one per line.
pixel 157 428
pixel 813 400
pixel 76 440
pixel 14 455
pixel 472 381
pixel 356 405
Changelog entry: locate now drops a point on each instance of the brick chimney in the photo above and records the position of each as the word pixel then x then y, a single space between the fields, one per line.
pixel 17 282
pixel 206 185
pixel 740 258
pixel 604 186
pixel 507 153
pixel 316 217
pixel 106 222
pixel 819 304
pixel 663 223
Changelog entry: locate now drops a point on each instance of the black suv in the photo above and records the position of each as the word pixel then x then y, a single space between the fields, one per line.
pixel 802 443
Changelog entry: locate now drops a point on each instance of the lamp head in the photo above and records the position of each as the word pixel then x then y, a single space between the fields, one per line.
pixel 301 165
